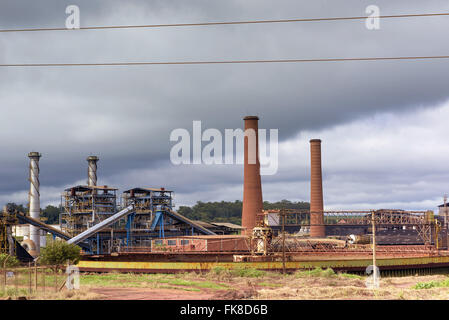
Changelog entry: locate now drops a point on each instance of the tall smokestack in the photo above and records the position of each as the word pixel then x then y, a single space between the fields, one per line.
pixel 34 197
pixel 252 187
pixel 316 191
pixel 92 171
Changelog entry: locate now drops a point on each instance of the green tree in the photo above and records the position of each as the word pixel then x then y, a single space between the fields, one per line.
pixel 286 204
pixel 185 211
pixel 11 261
pixel 51 214
pixel 58 252
pixel 226 211
pixel 18 207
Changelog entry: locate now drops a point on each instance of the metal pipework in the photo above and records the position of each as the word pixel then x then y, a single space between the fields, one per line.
pixel 316 191
pixel 100 226
pixel 252 187
pixel 34 199
pixel 92 171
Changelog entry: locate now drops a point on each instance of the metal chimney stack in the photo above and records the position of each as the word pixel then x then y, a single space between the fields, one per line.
pixel 92 171
pixel 34 199
pixel 252 187
pixel 316 191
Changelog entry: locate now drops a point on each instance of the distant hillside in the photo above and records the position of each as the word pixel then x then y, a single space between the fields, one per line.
pixel 231 211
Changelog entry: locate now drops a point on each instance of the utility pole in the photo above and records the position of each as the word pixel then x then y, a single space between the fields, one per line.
pixel 445 211
pixel 373 222
pixel 283 240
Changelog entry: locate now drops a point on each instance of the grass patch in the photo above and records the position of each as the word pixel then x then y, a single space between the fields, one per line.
pixel 13 292
pixel 223 273
pixel 350 276
pixel 431 284
pixel 270 284
pixel 180 288
pixel 219 273
pixel 219 270
pixel 123 280
pixel 144 280
pixel 198 284
pixel 317 272
pixel 248 272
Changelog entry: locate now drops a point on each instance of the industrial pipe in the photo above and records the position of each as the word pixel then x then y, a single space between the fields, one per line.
pixel 92 171
pixel 34 199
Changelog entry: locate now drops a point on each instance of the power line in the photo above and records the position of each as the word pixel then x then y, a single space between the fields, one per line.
pixel 216 23
pixel 112 64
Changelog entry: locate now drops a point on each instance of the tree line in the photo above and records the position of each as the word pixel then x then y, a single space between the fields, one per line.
pixel 225 211
pixel 49 215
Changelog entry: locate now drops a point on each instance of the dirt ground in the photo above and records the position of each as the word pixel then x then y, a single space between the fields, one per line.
pixel 275 286
pixel 150 294
pixel 225 285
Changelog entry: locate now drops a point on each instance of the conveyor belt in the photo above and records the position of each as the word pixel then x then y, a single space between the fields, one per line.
pixel 195 225
pixel 100 226
pixel 27 219
pixel 58 233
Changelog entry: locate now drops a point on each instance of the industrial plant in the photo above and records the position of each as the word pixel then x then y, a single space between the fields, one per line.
pixel 138 230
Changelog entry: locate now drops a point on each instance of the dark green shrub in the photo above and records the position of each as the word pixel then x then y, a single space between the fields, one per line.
pixel 57 253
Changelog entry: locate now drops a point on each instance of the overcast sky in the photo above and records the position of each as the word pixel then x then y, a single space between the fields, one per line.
pixel 383 124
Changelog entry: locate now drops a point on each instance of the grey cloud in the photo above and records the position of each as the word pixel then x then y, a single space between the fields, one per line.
pixel 125 114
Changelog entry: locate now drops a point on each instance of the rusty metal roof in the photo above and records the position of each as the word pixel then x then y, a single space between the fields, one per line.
pixel 204 224
pixel 87 188
pixel 209 237
pixel 139 189
pixel 227 225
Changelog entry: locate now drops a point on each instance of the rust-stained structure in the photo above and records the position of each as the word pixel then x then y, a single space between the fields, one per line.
pixel 145 234
pixel 316 191
pixel 85 206
pixel 202 243
pixel 252 187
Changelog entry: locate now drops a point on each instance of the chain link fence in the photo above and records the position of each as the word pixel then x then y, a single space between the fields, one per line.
pixel 32 280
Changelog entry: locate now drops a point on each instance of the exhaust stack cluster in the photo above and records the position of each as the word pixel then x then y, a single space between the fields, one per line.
pixel 252 187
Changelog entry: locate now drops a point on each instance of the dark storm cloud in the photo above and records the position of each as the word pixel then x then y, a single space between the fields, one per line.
pixel 125 114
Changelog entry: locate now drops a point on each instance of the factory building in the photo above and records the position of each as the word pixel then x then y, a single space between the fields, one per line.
pixel 151 217
pixel 141 222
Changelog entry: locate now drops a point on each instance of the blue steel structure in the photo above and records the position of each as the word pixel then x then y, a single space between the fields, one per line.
pixel 152 217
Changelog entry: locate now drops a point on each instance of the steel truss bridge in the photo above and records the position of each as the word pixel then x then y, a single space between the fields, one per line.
pixel 424 222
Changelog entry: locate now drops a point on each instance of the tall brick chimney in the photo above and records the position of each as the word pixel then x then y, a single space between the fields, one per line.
pixel 316 191
pixel 252 187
